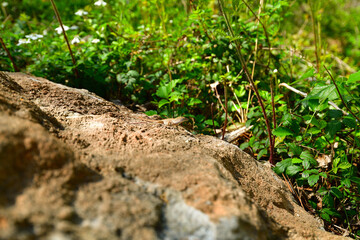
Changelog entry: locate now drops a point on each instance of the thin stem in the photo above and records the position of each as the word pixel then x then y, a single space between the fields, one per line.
pixel 248 76
pixel 315 37
pixel 342 99
pixel 273 102
pixel 263 26
pixel 226 111
pixel 9 55
pixel 65 36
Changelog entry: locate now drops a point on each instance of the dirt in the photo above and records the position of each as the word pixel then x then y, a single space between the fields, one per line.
pixel 75 166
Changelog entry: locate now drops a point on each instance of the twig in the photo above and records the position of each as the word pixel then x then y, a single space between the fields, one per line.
pixel 66 38
pixel 226 111
pixel 342 100
pixel 212 117
pixel 9 55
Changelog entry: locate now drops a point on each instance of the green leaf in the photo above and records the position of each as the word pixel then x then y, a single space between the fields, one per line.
pixel 162 92
pixel 322 191
pixel 344 165
pixel 313 179
pixel 150 112
pixel 336 192
pixel 331 212
pixel 282 132
pixel 332 113
pixel 314 130
pixel 336 162
pixel 325 216
pixel 175 96
pixel 328 200
pixel 307 173
pixel 355 180
pixel 133 73
pixel 306 163
pixel 354 78
pixel 296 160
pixel 322 174
pixel 210 122
pixel 261 153
pixel 309 73
pixel 162 102
pixel 349 121
pixel 295 150
pixel 327 92
pixel 194 101
pixel 322 124
pixel 346 182
pixel 281 166
pixel 235 4
pixel 332 128
pixel 294 169
pixel 306 155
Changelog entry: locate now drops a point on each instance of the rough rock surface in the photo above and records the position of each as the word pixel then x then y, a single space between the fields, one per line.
pixel 75 166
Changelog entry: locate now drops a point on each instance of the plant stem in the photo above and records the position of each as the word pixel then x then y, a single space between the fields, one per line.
pixel 251 81
pixel 65 36
pixel 315 36
pixel 9 55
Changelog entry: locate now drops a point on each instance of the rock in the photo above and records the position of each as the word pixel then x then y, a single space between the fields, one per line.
pixel 75 166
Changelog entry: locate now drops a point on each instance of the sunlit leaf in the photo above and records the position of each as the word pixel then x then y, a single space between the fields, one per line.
pixel 313 179
pixel 294 169
pixel 354 78
pixel 282 132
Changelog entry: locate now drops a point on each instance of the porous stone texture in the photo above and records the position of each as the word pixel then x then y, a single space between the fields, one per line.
pixel 75 166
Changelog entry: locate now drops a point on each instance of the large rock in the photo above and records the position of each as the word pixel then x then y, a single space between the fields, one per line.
pixel 75 166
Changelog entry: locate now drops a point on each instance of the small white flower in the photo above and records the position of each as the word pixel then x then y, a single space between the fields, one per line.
pixel 23 41
pixel 75 40
pixel 34 36
pixel 81 12
pixel 5 4
pixel 74 27
pixel 100 3
pixel 95 40
pixel 59 29
pixel 45 32
pixel 170 21
pixel 275 70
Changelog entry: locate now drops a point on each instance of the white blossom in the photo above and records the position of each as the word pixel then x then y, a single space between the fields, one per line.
pixel 59 29
pixel 100 3
pixel 81 12
pixel 95 40
pixel 23 41
pixel 275 70
pixel 34 36
pixel 74 27
pixel 75 40
pixel 4 4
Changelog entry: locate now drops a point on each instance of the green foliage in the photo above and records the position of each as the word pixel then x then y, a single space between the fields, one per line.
pixel 180 56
